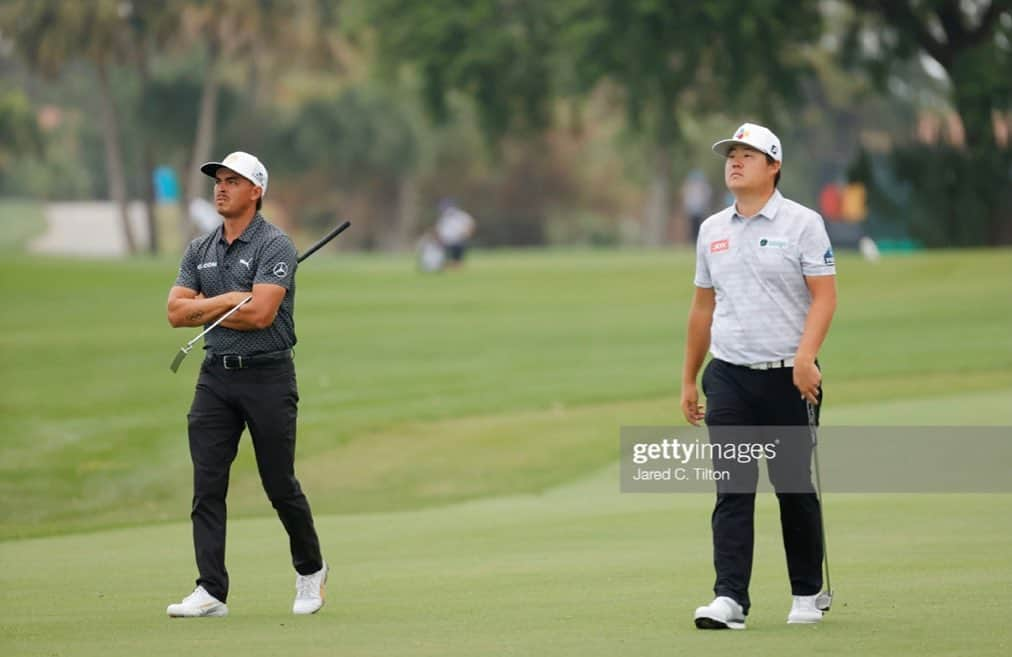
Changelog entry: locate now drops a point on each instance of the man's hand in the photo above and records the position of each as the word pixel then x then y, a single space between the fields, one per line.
pixel 259 313
pixel 807 379
pixel 691 408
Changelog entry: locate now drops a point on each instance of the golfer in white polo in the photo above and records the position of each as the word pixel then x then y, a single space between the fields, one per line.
pixel 765 293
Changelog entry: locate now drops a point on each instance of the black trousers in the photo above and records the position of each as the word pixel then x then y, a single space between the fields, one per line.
pixel 741 397
pixel 265 400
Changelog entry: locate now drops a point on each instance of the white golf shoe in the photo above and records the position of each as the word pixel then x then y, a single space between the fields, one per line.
pixel 198 604
pixel 721 614
pixel 804 609
pixel 310 591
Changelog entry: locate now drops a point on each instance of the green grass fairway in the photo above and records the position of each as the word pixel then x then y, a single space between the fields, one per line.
pixel 458 437
pixel 580 570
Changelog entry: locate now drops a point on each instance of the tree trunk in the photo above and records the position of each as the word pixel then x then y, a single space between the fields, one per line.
pixel 202 143
pixel 115 171
pixel 975 113
pixel 250 134
pixel 985 171
pixel 148 164
pixel 147 159
pixel 658 205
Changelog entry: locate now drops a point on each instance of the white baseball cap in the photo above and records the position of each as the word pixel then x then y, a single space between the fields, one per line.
pixel 749 134
pixel 246 165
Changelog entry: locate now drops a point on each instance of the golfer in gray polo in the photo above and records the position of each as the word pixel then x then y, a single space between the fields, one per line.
pixel 765 293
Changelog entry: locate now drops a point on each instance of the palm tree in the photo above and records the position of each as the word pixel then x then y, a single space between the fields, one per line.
pixel 230 31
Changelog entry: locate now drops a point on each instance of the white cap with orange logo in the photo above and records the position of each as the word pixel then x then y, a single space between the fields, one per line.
pixel 750 134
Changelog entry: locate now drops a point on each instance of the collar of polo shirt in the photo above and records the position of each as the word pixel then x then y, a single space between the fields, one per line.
pixel 247 234
pixel 768 211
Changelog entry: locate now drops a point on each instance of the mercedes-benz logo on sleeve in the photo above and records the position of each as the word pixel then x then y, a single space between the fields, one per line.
pixel 281 270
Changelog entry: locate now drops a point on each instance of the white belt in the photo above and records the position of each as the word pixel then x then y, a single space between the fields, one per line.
pixel 772 365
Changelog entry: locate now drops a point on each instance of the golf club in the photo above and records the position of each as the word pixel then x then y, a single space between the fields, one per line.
pixel 825 598
pixel 186 348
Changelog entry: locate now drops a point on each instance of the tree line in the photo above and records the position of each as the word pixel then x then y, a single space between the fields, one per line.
pixel 376 108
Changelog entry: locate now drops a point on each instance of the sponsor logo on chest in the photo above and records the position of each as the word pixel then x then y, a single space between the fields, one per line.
pixel 719 246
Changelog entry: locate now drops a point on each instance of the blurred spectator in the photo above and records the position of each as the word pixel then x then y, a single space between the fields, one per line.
pixel 454 229
pixel 831 202
pixel 203 215
pixel 166 185
pixel 431 256
pixel 855 203
pixel 867 247
pixel 696 198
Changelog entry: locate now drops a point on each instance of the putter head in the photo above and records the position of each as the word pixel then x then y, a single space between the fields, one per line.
pixel 824 600
pixel 180 355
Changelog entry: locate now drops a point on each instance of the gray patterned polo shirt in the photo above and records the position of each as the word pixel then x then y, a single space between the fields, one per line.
pixel 757 268
pixel 262 254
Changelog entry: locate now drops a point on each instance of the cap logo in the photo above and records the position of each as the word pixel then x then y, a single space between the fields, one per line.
pixel 741 134
pixel 773 149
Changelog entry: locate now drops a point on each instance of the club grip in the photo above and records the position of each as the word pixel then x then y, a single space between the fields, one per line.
pixel 326 238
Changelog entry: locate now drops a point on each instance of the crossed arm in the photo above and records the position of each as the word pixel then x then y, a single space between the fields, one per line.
pixel 187 307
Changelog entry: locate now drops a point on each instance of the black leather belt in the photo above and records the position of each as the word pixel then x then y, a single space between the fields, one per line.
pixel 238 362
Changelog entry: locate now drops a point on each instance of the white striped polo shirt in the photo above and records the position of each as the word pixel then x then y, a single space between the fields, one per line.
pixel 756 267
